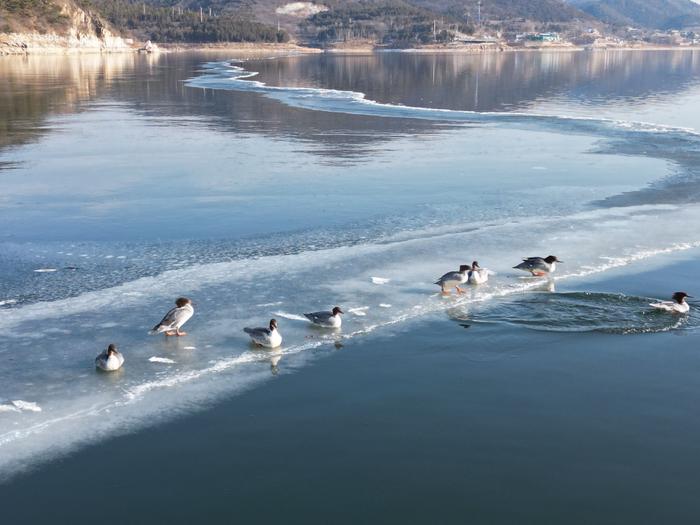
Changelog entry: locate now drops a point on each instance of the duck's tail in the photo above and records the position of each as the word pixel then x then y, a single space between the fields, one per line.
pixel 157 329
pixel 660 306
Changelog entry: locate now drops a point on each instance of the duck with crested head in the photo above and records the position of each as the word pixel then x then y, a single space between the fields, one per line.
pixel 326 319
pixel 678 304
pixel 539 266
pixel 453 280
pixel 477 274
pixel 110 360
pixel 267 337
pixel 175 318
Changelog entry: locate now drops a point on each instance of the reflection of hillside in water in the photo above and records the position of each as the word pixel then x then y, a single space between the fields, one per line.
pixel 35 87
pixel 489 81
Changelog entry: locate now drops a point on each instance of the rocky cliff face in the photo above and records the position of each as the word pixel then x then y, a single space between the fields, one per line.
pixel 73 30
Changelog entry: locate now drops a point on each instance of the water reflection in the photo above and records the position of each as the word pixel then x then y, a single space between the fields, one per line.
pixel 491 81
pixel 35 87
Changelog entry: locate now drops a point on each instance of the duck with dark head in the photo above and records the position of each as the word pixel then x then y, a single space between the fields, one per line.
pixel 539 266
pixel 677 304
pixel 110 359
pixel 477 274
pixel 453 280
pixel 326 319
pixel 175 318
pixel 267 337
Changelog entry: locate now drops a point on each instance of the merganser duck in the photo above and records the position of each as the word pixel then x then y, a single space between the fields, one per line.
pixel 110 359
pixel 326 319
pixel 453 280
pixel 677 306
pixel 477 275
pixel 175 318
pixel 539 266
pixel 267 337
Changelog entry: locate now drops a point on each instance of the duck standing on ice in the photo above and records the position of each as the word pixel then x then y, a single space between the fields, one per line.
pixel 326 319
pixel 677 306
pixel 175 318
pixel 539 266
pixel 477 275
pixel 453 280
pixel 267 337
pixel 109 360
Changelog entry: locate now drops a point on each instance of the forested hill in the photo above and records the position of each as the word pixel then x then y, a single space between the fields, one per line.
pixel 392 22
pixel 152 20
pixel 174 23
pixel 657 14
pixel 541 11
pixel 35 15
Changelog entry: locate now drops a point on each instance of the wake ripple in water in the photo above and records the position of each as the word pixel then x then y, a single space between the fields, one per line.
pixel 581 312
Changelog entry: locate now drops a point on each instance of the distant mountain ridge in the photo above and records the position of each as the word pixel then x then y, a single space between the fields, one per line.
pixel 655 14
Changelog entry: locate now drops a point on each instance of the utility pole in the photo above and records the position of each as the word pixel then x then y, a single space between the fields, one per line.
pixel 478 5
pixel 201 15
pixel 143 8
pixel 434 30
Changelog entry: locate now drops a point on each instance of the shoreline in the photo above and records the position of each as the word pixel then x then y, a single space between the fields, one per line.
pixel 24 45
pixel 248 47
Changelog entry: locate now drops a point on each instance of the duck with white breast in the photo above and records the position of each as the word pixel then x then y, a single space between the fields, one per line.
pixel 109 360
pixel 326 319
pixel 267 337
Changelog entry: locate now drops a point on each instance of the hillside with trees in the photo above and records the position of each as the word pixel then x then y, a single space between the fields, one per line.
pixel 181 24
pixel 391 22
pixel 539 11
pixel 656 14
pixel 395 23
pixel 32 15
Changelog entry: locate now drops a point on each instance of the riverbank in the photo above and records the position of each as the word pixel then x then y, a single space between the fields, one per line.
pixel 52 44
pixel 430 421
pixel 251 48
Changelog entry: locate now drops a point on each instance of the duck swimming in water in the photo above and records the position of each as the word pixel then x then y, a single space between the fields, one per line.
pixel 175 318
pixel 453 280
pixel 326 319
pixel 267 337
pixel 109 360
pixel 677 306
pixel 539 266
pixel 477 274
